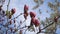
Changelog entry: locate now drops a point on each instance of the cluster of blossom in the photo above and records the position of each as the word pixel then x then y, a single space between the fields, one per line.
pixel 34 20
pixel 9 25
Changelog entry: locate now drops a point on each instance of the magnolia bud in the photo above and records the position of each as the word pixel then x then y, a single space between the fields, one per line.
pixel 55 19
pixel 35 21
pixel 0 7
pixel 25 8
pixel 13 10
pixel 32 14
pixel 20 32
pixel 10 22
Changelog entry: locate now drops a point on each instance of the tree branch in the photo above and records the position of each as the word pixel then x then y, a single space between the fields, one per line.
pixel 47 26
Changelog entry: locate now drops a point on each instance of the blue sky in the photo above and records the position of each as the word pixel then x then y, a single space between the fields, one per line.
pixel 19 5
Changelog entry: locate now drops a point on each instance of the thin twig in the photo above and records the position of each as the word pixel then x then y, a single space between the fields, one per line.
pixel 8 5
pixel 47 26
pixel 17 16
pixel 45 32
